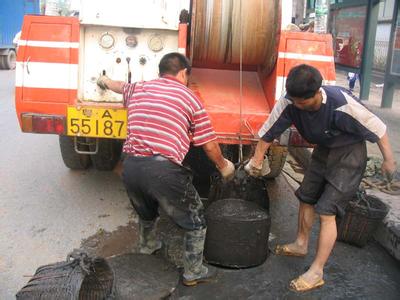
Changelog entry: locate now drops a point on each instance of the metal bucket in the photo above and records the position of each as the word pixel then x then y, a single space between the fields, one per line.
pixel 237 233
pixel 242 186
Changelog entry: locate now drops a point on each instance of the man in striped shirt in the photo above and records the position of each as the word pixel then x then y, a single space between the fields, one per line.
pixel 338 124
pixel 164 116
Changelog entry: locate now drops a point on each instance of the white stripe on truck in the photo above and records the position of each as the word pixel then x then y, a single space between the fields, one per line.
pixel 48 44
pixel 46 75
pixel 300 56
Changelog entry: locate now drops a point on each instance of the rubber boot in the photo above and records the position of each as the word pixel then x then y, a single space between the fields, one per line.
pixel 148 241
pixel 194 270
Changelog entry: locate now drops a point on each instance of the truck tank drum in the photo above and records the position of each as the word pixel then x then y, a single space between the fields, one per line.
pixel 216 29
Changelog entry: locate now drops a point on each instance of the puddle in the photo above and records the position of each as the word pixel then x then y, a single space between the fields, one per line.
pixel 122 240
pixel 125 239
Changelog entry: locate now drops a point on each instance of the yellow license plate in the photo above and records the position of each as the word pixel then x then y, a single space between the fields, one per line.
pixel 97 122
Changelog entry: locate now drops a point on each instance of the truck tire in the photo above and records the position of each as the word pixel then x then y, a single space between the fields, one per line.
pixel 108 154
pixel 72 160
pixel 2 60
pixel 9 60
pixel 277 157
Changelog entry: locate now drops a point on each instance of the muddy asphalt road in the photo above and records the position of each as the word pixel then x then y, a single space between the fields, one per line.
pixel 47 210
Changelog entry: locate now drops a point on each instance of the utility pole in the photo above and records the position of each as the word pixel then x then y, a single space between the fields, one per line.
pixel 368 49
pixel 392 73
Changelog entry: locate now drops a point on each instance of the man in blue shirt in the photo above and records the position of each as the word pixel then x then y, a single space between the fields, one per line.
pixel 338 124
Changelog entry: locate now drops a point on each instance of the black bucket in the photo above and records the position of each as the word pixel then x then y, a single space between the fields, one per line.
pixel 363 215
pixel 242 186
pixel 237 233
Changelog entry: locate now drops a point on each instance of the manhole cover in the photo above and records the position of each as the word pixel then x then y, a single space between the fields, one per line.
pixel 140 276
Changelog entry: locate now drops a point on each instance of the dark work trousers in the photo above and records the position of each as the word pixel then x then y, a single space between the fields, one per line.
pixel 333 177
pixel 153 182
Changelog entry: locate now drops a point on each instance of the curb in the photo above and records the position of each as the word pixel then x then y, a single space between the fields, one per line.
pixel 388 235
pixel 388 232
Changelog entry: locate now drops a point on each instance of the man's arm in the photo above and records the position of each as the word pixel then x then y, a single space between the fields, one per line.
pixel 203 135
pixel 213 152
pixel 389 163
pixel 259 153
pixel 114 85
pixel 278 121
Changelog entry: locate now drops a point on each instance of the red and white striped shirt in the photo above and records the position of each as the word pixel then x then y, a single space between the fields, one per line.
pixel 163 116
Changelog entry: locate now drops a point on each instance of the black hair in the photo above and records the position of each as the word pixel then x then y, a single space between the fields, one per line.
pixel 303 81
pixel 172 63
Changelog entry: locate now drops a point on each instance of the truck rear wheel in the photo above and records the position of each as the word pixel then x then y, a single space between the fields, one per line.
pixel 2 62
pixel 71 158
pixel 277 157
pixel 10 60
pixel 109 153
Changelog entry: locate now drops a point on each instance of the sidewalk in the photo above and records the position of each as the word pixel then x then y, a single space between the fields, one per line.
pixel 388 233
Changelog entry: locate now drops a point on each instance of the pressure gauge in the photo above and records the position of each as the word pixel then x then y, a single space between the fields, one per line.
pixel 106 41
pixel 155 43
pixel 131 41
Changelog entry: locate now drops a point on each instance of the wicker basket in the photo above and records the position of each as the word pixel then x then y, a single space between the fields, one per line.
pixel 79 277
pixel 363 215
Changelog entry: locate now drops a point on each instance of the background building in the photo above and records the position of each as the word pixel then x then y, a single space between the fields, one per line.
pixel 347 19
pixel 347 23
pixel 383 34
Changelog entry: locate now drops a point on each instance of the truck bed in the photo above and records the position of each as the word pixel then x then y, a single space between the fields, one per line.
pixel 219 90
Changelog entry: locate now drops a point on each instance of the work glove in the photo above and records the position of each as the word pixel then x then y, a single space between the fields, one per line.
pixel 101 82
pixel 228 172
pixel 257 170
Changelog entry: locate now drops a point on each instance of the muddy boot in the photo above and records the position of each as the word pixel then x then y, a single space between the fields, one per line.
pixel 148 241
pixel 194 270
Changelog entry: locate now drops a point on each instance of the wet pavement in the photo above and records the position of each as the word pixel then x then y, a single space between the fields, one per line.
pixel 351 272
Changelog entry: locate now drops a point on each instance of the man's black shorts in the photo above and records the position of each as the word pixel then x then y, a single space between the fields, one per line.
pixel 333 177
pixel 153 182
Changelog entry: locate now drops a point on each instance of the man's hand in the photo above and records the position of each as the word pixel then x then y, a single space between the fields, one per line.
pixel 228 171
pixel 257 169
pixel 101 82
pixel 388 169
pixel 389 163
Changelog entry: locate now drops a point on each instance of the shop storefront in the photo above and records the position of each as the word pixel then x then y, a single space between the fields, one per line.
pixel 347 21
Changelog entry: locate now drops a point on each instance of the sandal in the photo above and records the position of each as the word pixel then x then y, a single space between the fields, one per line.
pixel 301 285
pixel 284 250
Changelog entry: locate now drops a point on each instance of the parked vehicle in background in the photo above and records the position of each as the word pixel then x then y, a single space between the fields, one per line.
pixel 11 16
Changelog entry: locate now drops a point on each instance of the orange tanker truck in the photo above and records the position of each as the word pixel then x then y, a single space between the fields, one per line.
pixel 239 53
